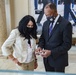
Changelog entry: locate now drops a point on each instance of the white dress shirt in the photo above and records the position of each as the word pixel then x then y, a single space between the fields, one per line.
pixel 56 19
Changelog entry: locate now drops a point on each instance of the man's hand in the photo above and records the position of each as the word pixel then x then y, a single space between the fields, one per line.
pixel 46 53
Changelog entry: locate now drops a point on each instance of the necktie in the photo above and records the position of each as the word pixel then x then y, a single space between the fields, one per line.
pixel 50 28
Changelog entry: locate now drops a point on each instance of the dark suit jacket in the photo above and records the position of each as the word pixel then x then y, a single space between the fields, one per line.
pixel 59 42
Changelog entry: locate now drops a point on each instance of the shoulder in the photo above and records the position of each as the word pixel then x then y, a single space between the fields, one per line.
pixel 45 23
pixel 15 31
pixel 65 22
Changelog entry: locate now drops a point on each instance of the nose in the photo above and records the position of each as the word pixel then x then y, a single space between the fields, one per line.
pixel 30 26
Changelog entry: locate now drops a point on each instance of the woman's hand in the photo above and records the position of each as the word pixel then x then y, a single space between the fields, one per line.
pixel 14 59
pixel 35 64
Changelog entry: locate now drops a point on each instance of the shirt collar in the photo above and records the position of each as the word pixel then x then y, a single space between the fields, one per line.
pixel 56 19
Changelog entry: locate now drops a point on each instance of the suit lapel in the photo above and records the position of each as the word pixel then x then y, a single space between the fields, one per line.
pixel 55 27
pixel 48 23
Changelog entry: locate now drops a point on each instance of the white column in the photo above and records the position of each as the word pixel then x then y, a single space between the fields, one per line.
pixel 31 8
pixel 20 10
pixel 3 31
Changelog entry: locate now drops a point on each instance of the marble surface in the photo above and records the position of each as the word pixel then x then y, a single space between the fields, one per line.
pixel 6 64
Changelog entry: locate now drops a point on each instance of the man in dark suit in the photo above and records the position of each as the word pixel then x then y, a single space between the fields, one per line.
pixel 54 47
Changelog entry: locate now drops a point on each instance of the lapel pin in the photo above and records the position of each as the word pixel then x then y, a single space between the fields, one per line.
pixel 51 19
pixel 57 22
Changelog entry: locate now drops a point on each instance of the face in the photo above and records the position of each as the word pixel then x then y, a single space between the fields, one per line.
pixel 30 24
pixel 48 12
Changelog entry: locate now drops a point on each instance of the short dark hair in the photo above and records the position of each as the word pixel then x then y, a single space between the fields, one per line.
pixel 23 27
pixel 52 6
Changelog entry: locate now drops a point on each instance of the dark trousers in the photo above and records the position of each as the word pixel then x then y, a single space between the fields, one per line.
pixel 42 13
pixel 49 68
pixel 36 4
pixel 68 11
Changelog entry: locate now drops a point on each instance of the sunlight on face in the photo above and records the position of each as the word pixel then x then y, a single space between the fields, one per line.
pixel 30 24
